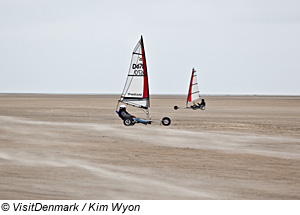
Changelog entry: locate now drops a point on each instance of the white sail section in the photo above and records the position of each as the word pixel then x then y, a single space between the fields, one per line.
pixel 193 93
pixel 136 90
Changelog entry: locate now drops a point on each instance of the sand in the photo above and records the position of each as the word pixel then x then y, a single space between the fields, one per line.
pixel 76 147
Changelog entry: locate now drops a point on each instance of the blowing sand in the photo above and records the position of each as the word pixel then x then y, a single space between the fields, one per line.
pixel 76 147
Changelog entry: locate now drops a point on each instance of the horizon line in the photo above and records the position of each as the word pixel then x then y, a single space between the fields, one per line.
pixel 155 94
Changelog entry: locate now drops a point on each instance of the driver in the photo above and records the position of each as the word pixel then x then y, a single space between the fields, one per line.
pixel 202 104
pixel 125 115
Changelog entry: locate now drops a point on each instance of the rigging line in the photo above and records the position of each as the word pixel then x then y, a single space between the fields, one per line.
pixel 135 105
pixel 124 93
pixel 131 62
pixel 117 104
pixel 137 46
pixel 127 77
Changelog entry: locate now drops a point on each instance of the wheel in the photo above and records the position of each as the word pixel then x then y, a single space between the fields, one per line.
pixel 176 107
pixel 166 121
pixel 202 107
pixel 128 122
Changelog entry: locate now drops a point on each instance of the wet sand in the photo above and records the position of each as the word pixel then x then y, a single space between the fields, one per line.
pixel 76 147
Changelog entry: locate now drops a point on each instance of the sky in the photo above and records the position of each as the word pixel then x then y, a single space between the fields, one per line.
pixel 84 46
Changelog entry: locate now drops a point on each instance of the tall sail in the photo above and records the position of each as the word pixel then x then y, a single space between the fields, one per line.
pixel 136 90
pixel 193 93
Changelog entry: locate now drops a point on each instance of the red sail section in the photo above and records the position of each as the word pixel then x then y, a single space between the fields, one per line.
pixel 145 91
pixel 191 84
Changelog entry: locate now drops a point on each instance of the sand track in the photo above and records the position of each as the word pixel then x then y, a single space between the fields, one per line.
pixel 53 150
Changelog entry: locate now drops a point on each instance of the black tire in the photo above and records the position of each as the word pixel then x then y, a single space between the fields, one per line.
pixel 166 121
pixel 175 107
pixel 128 122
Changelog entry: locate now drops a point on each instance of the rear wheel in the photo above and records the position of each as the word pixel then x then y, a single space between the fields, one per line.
pixel 166 121
pixel 175 107
pixel 128 122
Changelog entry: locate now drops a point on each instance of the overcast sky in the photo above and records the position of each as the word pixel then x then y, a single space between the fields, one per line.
pixel 85 46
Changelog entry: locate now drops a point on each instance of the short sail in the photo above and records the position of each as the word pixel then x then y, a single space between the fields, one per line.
pixel 136 90
pixel 193 93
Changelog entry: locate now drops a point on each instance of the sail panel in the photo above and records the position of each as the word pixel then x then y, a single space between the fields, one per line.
pixel 193 93
pixel 136 91
pixel 135 103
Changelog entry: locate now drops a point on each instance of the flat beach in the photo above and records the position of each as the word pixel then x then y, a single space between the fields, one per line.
pixel 76 147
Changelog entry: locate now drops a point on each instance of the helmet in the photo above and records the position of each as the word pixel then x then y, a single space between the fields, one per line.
pixel 122 106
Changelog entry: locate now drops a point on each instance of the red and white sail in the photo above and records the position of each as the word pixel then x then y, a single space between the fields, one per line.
pixel 193 93
pixel 136 90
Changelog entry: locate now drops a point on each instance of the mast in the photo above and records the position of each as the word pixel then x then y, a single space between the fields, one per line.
pixel 189 97
pixel 146 82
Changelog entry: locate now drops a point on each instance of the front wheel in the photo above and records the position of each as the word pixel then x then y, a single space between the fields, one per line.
pixel 128 122
pixel 166 121
pixel 175 107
